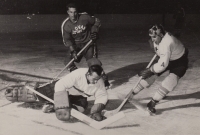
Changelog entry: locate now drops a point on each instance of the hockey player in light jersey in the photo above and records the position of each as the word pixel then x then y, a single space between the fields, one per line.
pixel 77 29
pixel 87 82
pixel 172 56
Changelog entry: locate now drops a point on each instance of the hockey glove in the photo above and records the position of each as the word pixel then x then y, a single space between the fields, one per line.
pixel 94 36
pixel 146 73
pixel 74 55
pixel 62 105
pixel 96 111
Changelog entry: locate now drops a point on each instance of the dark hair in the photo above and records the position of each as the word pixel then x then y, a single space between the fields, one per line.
pixel 161 28
pixel 72 5
pixel 95 68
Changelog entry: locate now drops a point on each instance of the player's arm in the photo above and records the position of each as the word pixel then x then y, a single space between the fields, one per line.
pixel 163 61
pixel 101 98
pixel 68 40
pixel 96 25
pixel 159 66
pixel 95 22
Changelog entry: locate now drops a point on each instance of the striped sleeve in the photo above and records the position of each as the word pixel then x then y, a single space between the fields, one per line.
pixel 66 34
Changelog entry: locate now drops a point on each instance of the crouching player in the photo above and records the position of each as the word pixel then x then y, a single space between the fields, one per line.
pixel 88 82
pixel 173 56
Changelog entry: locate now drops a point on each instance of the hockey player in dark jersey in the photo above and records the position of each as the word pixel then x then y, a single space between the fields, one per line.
pixel 173 57
pixel 77 29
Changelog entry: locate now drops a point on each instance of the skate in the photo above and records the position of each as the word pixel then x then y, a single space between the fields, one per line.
pixel 151 107
pixel 48 108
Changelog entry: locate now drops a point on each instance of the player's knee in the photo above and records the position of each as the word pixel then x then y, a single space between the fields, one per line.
pixel 170 82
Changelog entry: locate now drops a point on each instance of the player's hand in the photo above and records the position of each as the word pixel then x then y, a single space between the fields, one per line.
pixel 146 73
pixel 74 55
pixel 97 116
pixel 94 36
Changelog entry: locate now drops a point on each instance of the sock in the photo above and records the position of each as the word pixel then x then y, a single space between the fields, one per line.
pixel 160 94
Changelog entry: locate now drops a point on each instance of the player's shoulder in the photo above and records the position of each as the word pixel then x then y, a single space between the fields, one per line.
pixel 81 70
pixel 65 21
pixel 168 37
pixel 84 15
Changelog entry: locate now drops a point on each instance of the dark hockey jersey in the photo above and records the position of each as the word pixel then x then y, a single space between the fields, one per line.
pixel 79 32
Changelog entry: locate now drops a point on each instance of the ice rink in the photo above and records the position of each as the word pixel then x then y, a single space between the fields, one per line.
pixel 38 55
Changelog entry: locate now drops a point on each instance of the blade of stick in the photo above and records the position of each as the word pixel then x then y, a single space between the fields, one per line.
pixel 107 113
pixel 89 121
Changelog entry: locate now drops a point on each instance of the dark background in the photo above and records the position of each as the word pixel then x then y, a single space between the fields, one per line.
pixel 98 6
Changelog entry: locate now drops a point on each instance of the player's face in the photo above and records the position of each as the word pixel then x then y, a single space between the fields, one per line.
pixel 157 39
pixel 93 78
pixel 72 12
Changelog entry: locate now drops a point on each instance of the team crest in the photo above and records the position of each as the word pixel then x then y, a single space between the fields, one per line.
pixel 78 29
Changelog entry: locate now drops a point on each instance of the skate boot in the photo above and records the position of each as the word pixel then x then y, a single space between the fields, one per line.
pixel 48 108
pixel 151 106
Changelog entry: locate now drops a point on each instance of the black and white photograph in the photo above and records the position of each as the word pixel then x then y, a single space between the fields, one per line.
pixel 99 67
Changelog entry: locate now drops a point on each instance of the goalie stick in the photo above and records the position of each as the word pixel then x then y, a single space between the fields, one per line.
pixel 89 121
pixel 112 112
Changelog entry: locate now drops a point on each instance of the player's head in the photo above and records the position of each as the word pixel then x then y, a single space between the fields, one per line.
pixel 94 73
pixel 72 11
pixel 157 32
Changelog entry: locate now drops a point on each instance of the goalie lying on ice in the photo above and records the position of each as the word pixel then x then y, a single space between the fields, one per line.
pixel 87 82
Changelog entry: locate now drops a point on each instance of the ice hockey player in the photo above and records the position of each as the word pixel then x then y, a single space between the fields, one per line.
pixel 77 29
pixel 88 82
pixel 172 56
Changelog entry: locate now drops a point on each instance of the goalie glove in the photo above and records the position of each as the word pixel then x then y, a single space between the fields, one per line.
pixel 20 93
pixel 96 112
pixel 146 73
pixel 94 36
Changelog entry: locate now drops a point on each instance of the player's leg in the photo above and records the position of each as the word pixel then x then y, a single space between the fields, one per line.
pixel 177 70
pixel 78 102
pixel 168 84
pixel 142 85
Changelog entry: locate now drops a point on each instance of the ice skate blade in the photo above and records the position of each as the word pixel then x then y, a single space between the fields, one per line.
pixel 149 112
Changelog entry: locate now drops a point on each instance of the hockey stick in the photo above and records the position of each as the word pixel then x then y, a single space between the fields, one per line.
pixel 89 121
pixel 72 60
pixel 112 112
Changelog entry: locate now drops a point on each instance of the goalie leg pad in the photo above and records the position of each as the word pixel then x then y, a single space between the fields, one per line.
pixel 62 105
pixel 20 93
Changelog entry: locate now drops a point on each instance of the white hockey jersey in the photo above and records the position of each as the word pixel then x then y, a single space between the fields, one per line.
pixel 169 49
pixel 77 79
